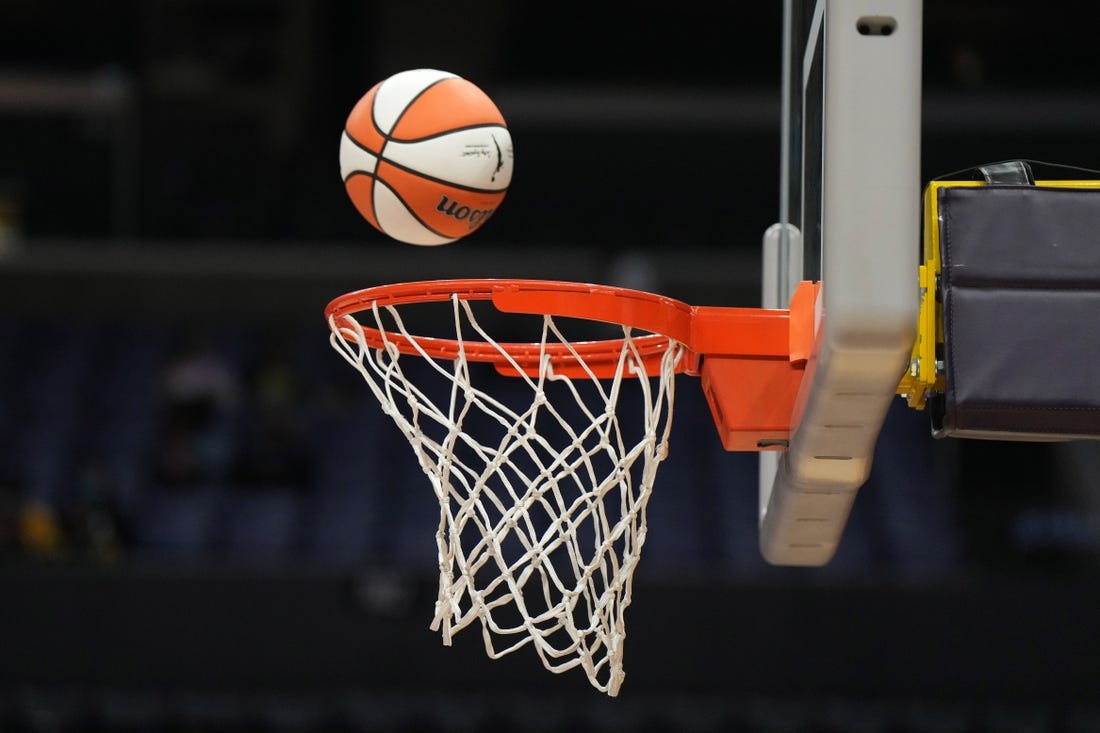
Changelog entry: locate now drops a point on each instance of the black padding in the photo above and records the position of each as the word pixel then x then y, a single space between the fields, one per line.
pixel 1021 302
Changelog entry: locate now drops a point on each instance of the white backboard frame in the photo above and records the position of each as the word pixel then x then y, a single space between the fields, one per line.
pixel 866 314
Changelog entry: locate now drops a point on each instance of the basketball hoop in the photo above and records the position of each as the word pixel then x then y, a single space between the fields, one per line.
pixel 543 481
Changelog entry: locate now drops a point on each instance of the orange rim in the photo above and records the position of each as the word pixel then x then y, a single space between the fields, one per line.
pixel 702 330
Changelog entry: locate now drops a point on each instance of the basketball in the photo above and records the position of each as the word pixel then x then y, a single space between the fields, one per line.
pixel 426 157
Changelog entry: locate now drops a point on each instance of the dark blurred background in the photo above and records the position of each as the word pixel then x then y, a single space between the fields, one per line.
pixel 252 548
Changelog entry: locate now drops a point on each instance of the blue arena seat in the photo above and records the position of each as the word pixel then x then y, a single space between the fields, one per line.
pixel 178 524
pixel 259 525
pixel 341 525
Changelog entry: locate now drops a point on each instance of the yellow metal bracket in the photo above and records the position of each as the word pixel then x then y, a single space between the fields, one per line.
pixel 925 374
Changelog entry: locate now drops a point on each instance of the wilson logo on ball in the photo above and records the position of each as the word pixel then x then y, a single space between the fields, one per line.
pixel 426 157
pixel 476 217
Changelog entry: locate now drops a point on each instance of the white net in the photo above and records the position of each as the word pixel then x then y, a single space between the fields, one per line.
pixel 542 488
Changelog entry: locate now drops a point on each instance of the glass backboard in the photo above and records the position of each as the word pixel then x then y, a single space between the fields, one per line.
pixel 849 218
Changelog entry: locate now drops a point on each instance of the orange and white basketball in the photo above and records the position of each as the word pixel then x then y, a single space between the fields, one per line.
pixel 426 157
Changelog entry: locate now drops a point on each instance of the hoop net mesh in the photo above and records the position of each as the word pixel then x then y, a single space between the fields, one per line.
pixel 542 489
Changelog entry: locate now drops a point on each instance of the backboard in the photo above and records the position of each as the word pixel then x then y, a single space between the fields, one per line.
pixel 849 210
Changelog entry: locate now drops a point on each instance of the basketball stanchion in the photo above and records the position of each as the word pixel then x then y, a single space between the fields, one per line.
pixel 543 479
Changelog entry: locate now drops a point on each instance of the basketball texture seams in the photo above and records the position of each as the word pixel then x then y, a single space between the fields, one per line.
pixel 426 157
pixel 448 105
